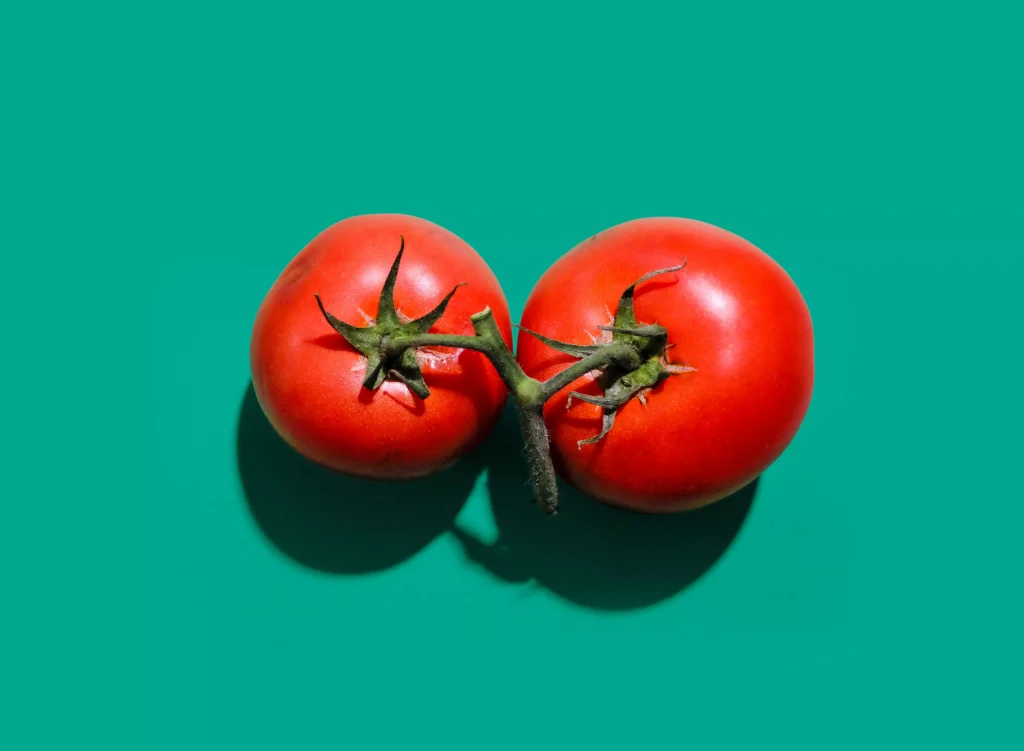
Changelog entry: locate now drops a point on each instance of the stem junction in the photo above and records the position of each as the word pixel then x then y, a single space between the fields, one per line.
pixel 630 365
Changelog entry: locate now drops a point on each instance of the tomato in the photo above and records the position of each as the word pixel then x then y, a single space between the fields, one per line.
pixel 308 378
pixel 733 315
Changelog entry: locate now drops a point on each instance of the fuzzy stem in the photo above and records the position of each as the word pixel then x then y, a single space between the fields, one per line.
pixel 389 343
pixel 401 343
pixel 524 389
pixel 600 359
pixel 528 393
pixel 538 458
pixel 488 341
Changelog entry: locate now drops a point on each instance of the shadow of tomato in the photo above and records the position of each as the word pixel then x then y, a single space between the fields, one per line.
pixel 335 523
pixel 592 554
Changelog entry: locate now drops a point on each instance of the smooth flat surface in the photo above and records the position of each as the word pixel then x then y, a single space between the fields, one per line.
pixel 867 593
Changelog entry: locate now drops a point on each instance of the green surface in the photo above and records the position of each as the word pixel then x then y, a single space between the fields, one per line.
pixel 177 580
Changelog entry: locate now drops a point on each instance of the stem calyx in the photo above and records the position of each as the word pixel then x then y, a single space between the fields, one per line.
pixel 373 342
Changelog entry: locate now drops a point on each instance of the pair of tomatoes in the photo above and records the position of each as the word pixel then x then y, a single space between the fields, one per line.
pixel 737 327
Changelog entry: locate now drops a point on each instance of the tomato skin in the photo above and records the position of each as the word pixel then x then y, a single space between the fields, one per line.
pixel 733 313
pixel 308 379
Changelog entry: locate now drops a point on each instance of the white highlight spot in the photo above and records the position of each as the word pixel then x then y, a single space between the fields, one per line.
pixel 717 301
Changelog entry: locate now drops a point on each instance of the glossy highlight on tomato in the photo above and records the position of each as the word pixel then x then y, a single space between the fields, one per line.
pixel 308 379
pixel 732 314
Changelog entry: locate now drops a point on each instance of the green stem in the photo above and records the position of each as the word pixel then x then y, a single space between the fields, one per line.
pixel 401 343
pixel 388 344
pixel 528 393
pixel 617 353
pixel 488 341
pixel 538 457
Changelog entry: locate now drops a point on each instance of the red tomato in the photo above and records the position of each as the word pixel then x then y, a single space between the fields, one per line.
pixel 732 313
pixel 308 378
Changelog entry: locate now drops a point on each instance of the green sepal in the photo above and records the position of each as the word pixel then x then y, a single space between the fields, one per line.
pixel 576 350
pixel 423 324
pixel 363 339
pixel 387 315
pixel 649 342
pixel 369 340
pixel 624 316
pixel 650 330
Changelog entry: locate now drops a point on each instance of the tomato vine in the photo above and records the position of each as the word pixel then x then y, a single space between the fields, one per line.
pixel 632 362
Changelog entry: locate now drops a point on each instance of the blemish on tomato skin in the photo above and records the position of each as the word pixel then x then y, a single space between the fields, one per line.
pixel 294 273
pixel 299 268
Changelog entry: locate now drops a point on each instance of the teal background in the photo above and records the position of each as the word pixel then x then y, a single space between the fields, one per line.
pixel 163 162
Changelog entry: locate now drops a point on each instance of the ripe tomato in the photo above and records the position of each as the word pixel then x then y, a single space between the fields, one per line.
pixel 732 314
pixel 308 378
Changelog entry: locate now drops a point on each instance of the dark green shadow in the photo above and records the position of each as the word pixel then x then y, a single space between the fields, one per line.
pixel 592 554
pixel 335 523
